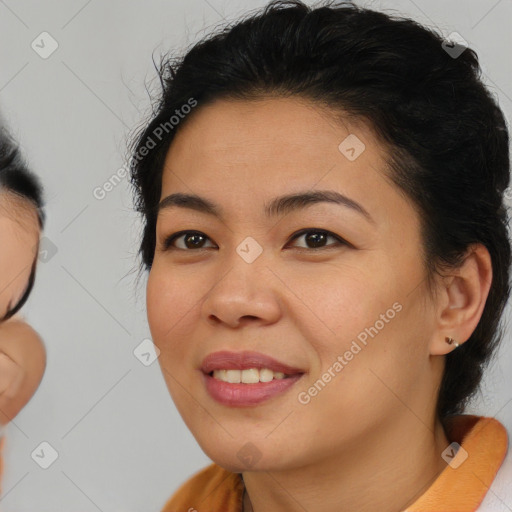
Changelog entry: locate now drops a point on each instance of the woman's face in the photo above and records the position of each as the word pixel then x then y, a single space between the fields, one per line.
pixel 19 236
pixel 352 316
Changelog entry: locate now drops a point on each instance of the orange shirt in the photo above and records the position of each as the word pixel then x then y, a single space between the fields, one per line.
pixel 460 487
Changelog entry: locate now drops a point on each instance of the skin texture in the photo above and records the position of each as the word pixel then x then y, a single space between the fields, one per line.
pixel 19 235
pixel 22 365
pixel 22 352
pixel 373 426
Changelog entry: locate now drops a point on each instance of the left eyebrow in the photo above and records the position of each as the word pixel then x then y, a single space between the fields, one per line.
pixel 278 206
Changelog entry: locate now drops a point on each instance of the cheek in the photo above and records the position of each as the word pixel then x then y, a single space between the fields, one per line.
pixel 369 327
pixel 171 303
pixel 382 357
pixel 160 304
pixel 347 305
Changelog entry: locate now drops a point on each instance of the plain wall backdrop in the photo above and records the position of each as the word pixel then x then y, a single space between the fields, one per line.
pixel 121 444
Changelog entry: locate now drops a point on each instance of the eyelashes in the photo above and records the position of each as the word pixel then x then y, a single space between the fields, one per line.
pixel 197 238
pixel 169 241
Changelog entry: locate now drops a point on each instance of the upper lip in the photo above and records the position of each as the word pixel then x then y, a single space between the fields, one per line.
pixel 226 360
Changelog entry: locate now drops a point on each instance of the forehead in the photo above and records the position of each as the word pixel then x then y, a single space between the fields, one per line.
pixel 241 149
pixel 244 127
pixel 18 214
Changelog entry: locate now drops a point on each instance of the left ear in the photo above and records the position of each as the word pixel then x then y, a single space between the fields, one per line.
pixel 461 299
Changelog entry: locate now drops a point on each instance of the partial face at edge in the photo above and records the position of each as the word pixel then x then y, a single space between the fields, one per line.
pixel 19 236
pixel 302 305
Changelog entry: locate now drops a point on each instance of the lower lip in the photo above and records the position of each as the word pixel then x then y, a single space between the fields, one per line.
pixel 246 395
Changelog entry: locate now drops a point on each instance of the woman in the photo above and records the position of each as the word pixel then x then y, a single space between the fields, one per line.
pixel 22 352
pixel 328 256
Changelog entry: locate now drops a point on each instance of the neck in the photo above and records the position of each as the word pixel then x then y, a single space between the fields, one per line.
pixel 386 472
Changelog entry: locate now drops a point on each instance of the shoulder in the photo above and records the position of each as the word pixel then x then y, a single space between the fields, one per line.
pixel 211 488
pixel 499 496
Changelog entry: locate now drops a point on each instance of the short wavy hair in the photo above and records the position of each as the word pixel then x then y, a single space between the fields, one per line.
pixel 446 136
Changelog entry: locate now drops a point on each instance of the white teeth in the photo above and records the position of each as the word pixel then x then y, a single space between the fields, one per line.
pixel 266 375
pixel 221 375
pixel 233 376
pixel 251 376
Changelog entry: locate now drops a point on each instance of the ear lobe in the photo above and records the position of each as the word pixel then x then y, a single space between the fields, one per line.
pixel 463 294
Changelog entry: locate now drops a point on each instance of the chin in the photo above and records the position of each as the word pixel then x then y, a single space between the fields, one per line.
pixel 245 456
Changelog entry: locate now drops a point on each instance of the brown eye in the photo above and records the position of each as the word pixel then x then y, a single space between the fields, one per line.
pixel 191 240
pixel 316 238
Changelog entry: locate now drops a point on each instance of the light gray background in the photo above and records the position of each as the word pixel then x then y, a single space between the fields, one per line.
pixel 122 446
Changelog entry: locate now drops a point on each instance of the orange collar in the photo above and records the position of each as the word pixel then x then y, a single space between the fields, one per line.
pixel 484 442
pixel 456 489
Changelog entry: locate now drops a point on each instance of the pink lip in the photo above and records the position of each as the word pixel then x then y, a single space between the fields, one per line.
pixel 246 395
pixel 225 360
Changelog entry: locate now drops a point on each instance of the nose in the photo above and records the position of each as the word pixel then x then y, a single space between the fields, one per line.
pixel 245 293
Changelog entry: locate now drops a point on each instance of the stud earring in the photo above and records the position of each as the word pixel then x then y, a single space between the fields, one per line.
pixel 451 341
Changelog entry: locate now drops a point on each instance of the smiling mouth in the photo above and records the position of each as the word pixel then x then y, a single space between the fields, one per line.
pixel 249 387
